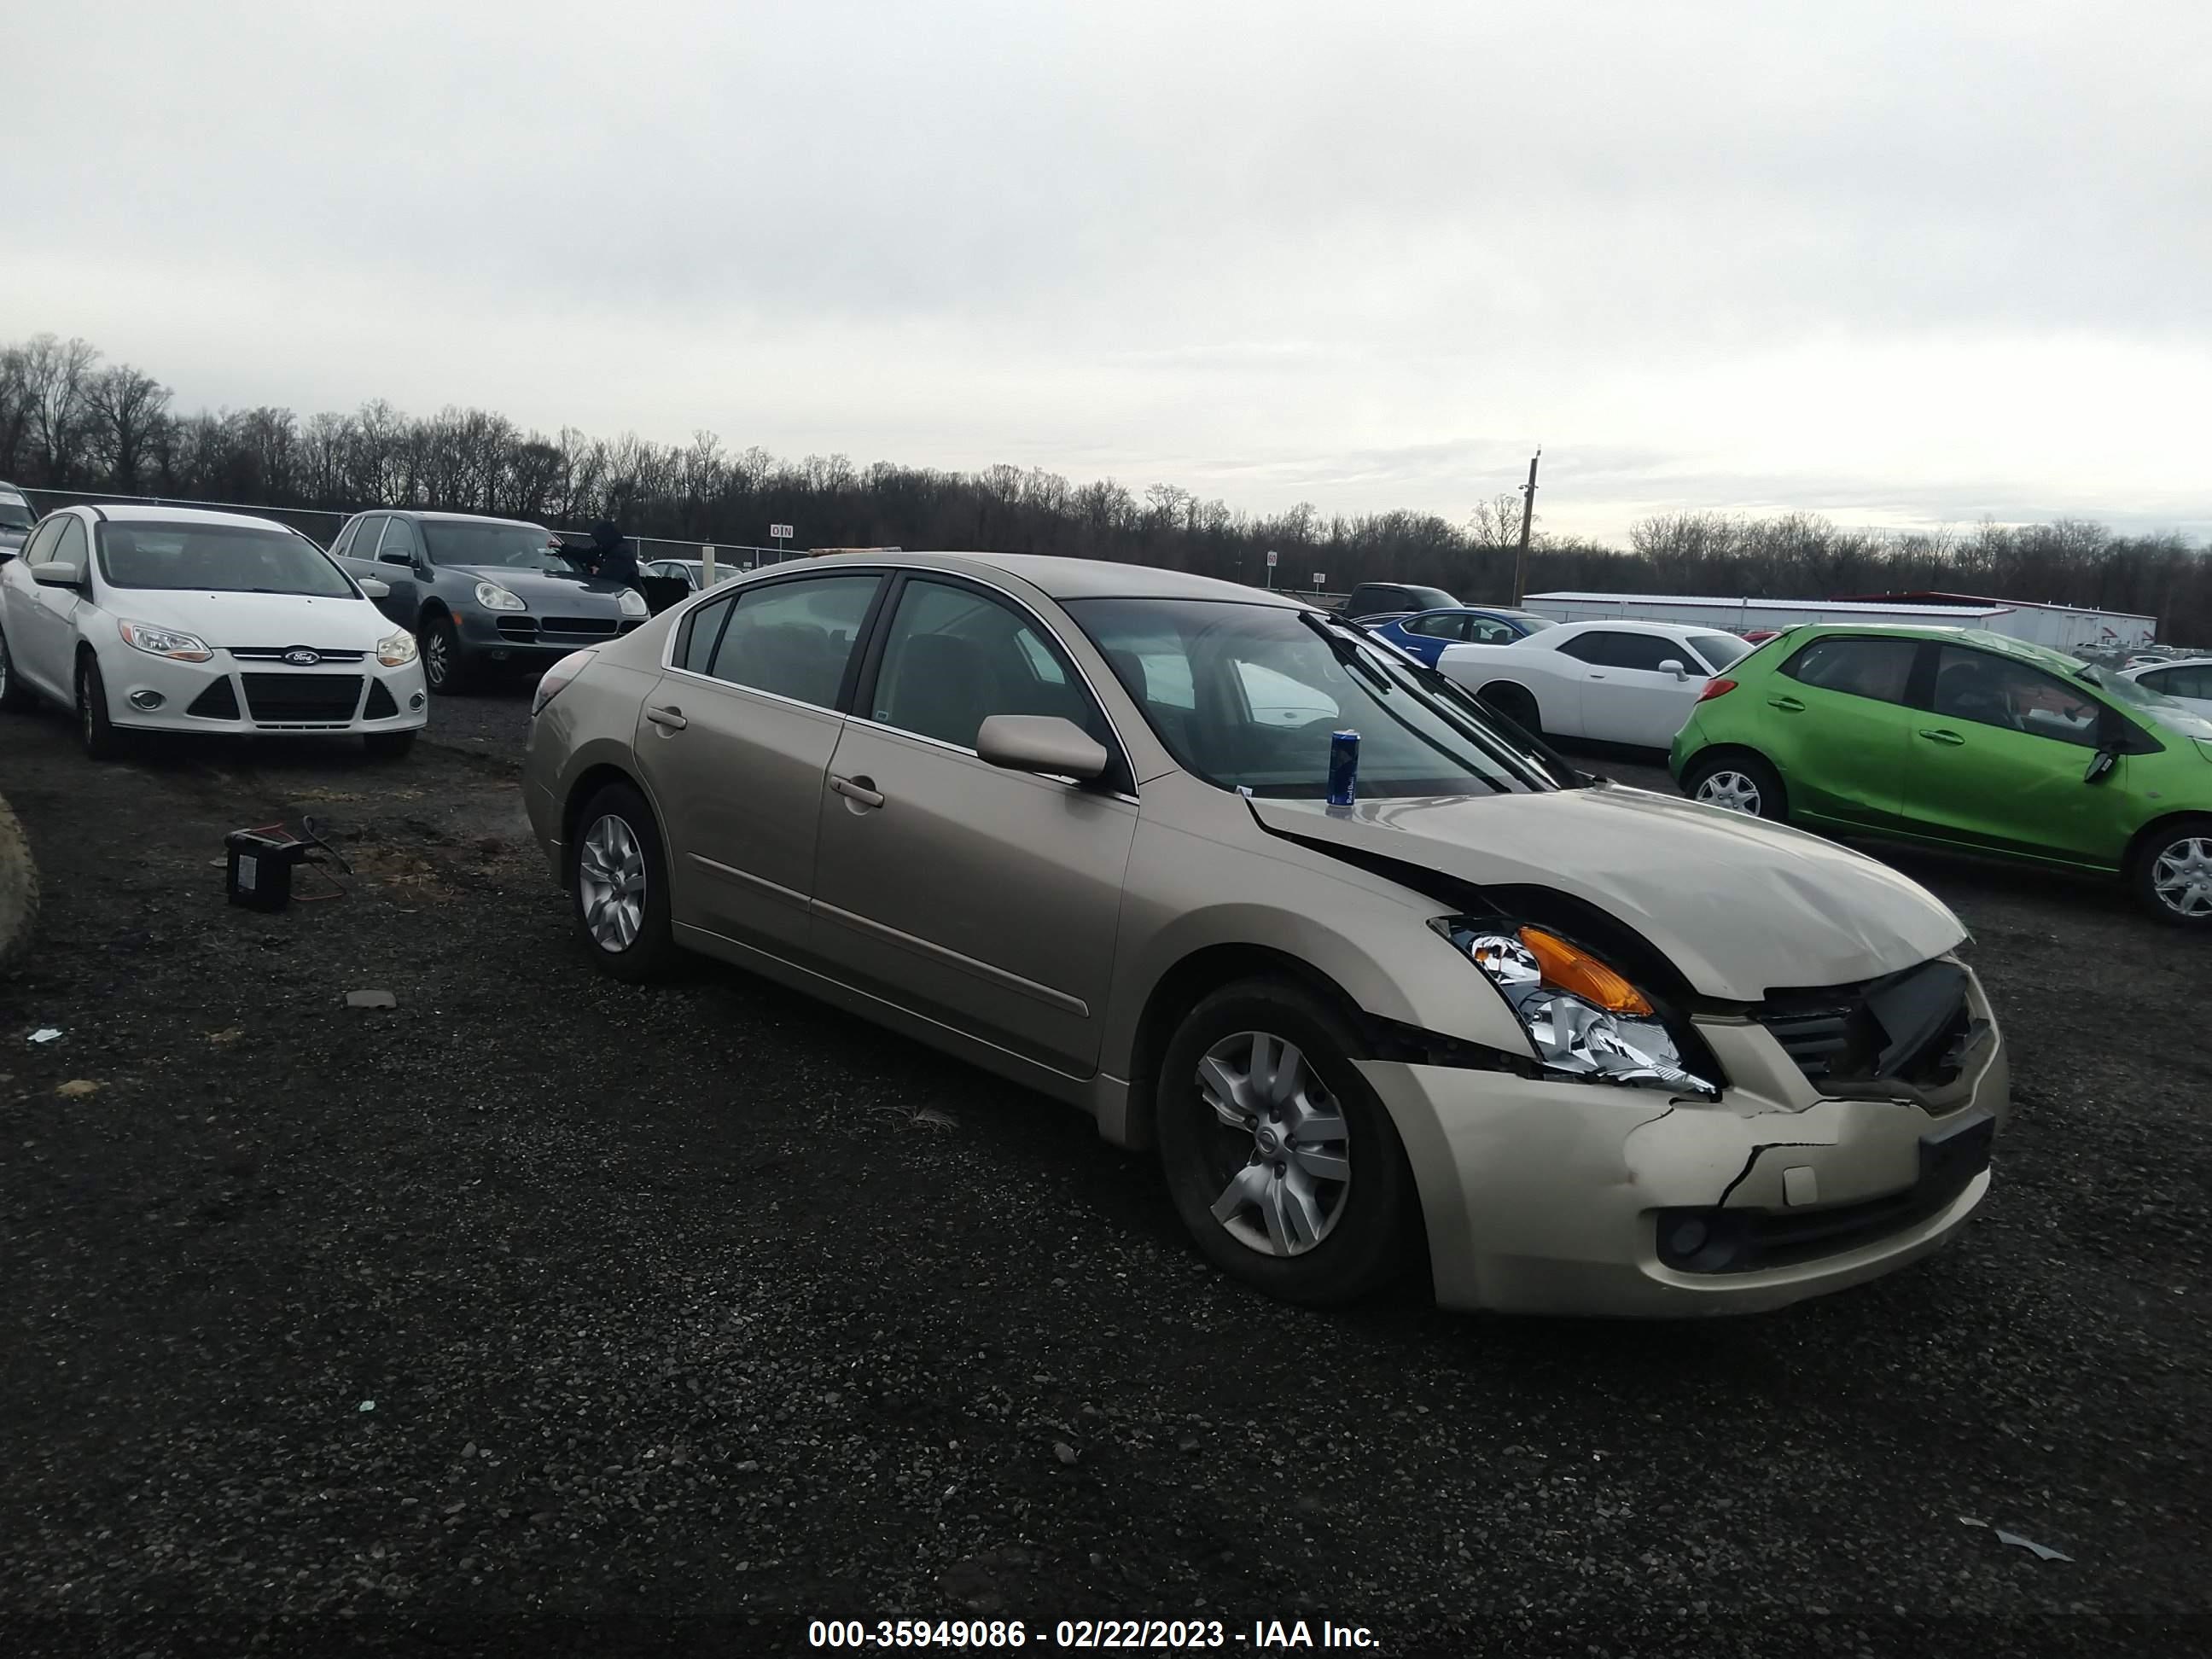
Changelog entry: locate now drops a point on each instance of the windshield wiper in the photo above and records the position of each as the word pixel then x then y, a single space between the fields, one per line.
pixel 1342 650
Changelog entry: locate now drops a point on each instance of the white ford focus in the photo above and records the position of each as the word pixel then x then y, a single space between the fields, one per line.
pixel 171 619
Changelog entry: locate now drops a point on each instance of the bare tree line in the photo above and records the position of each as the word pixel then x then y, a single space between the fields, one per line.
pixel 70 421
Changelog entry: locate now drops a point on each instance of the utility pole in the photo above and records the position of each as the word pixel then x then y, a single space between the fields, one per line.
pixel 1527 517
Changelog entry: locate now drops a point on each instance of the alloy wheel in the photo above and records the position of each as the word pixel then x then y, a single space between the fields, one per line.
pixel 610 883
pixel 1732 792
pixel 434 661
pixel 87 726
pixel 2181 876
pixel 1282 1143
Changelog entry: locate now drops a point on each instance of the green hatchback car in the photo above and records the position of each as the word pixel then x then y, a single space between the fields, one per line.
pixel 1953 738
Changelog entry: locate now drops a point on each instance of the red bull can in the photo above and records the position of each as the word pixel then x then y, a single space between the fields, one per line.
pixel 1343 768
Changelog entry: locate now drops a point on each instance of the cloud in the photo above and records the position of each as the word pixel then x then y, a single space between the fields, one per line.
pixel 1901 256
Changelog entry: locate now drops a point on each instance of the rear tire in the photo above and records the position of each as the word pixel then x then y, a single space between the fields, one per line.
pixel 15 697
pixel 1518 705
pixel 1257 1196
pixel 446 670
pixel 618 884
pixel 2173 874
pixel 94 729
pixel 1737 782
pixel 388 745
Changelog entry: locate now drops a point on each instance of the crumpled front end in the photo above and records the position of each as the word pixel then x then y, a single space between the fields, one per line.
pixel 1549 1196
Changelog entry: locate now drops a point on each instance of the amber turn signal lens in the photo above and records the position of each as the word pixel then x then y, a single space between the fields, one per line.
pixel 1579 974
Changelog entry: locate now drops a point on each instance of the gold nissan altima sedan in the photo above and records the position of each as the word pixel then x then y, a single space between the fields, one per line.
pixel 1424 996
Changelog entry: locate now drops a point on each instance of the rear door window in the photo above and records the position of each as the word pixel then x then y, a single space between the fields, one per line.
pixel 1880 669
pixel 1439 625
pixel 795 639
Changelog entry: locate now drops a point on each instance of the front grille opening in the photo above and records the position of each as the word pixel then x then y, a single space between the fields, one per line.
pixel 1914 1026
pixel 302 699
pixel 523 629
pixel 218 703
pixel 593 628
pixel 380 705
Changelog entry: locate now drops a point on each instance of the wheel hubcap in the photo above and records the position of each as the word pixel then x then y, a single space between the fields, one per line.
pixel 1731 791
pixel 434 657
pixel 2181 876
pixel 610 883
pixel 1281 1140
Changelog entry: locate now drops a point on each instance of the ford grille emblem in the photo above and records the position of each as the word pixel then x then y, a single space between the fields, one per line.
pixel 300 657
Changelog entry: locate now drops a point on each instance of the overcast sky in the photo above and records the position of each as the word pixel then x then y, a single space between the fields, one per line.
pixel 1900 264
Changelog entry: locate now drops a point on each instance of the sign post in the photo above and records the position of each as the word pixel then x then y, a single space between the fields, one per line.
pixel 706 567
pixel 1271 568
pixel 1320 580
pixel 780 533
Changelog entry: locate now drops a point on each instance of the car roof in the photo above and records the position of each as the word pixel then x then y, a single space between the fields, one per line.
pixel 1073 579
pixel 455 518
pixel 122 513
pixel 2026 651
pixel 2169 662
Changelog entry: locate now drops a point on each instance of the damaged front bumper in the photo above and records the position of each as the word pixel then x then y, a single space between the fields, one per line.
pixel 1550 1197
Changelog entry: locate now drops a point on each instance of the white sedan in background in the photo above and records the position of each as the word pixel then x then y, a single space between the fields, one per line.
pixel 1601 682
pixel 170 619
pixel 2187 680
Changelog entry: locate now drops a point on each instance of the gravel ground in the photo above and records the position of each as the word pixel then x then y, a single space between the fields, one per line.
pixel 544 1313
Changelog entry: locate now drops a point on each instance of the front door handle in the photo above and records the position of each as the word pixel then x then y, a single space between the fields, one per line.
pixel 1597 676
pixel 857 789
pixel 1788 705
pixel 669 719
pixel 1948 738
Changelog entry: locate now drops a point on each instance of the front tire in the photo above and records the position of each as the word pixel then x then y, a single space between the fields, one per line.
pixel 618 880
pixel 94 729
pixel 2173 874
pixel 445 669
pixel 1737 783
pixel 1518 706
pixel 1280 1158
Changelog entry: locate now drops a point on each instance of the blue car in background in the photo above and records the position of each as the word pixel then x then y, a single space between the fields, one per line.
pixel 1426 633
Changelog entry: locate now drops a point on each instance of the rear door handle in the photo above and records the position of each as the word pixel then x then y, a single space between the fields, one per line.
pixel 1948 738
pixel 856 789
pixel 671 719
pixel 1789 705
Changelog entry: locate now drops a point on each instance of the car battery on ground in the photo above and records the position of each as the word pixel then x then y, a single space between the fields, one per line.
pixel 260 862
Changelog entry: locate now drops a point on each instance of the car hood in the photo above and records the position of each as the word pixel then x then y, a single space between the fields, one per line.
pixel 255 619
pixel 587 596
pixel 1741 907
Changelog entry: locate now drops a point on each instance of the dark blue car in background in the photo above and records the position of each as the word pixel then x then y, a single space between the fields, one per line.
pixel 1426 633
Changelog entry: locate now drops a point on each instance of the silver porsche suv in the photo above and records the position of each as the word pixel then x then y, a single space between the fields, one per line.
pixel 1568 1046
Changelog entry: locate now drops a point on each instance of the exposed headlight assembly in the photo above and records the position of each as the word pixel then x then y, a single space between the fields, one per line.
pixel 1584 1019
pixel 632 603
pixel 396 650
pixel 165 643
pixel 492 597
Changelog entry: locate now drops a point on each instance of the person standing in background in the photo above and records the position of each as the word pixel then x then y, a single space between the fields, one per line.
pixel 610 556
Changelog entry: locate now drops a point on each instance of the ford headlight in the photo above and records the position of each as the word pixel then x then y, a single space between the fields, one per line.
pixel 631 603
pixel 396 650
pixel 165 643
pixel 1583 1019
pixel 492 597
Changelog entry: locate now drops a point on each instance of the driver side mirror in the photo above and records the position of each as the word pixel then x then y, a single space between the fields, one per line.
pixel 1040 743
pixel 396 558
pixel 1673 665
pixel 54 573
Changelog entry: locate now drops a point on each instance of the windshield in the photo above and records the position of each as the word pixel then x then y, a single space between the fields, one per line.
pixel 2167 711
pixel 1248 696
pixel 214 558
pixel 15 513
pixel 504 546
pixel 1719 650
